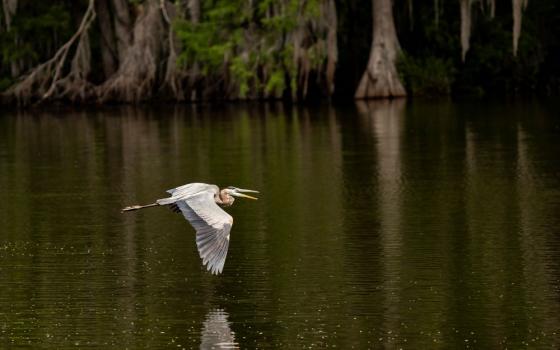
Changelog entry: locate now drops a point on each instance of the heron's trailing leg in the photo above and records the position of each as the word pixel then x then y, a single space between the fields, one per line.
pixel 136 207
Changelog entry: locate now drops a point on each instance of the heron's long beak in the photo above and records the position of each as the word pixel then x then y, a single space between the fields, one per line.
pixel 245 195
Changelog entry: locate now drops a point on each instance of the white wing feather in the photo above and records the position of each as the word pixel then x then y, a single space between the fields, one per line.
pixel 212 224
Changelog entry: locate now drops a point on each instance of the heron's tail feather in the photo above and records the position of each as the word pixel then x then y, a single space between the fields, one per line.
pixel 136 207
pixel 166 201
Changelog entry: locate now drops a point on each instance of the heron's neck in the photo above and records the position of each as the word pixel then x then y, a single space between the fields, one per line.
pixel 224 199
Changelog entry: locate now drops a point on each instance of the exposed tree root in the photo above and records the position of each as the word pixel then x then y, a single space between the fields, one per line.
pixel 75 86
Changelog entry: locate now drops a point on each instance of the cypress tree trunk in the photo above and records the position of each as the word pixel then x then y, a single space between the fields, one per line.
pixel 136 78
pixel 122 27
pixel 381 78
pixel 518 7
pixel 332 48
pixel 9 8
pixel 194 8
pixel 465 27
pixel 107 42
pixel 172 85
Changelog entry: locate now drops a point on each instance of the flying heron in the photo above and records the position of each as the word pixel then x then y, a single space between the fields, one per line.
pixel 200 204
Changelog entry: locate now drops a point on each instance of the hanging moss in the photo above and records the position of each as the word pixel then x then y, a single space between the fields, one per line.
pixel 257 51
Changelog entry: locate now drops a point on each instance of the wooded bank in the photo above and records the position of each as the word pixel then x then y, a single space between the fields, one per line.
pixel 101 51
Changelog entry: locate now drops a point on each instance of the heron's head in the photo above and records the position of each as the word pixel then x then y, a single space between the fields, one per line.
pixel 239 192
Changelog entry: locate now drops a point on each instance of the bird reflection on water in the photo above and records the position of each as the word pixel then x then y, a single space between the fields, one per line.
pixel 216 332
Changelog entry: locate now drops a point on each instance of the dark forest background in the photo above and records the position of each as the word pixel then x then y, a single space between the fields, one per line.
pixel 131 50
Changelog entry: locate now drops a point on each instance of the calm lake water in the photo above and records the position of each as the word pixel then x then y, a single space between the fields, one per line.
pixel 396 225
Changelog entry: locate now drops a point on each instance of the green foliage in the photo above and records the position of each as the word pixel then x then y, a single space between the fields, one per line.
pixel 37 30
pixel 212 42
pixel 430 76
pixel 240 70
pixel 5 83
pixel 203 43
pixel 275 83
pixel 247 43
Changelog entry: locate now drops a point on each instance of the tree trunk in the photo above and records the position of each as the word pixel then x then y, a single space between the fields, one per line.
pixel 9 7
pixel 122 27
pixel 107 44
pixel 492 5
pixel 15 64
pixel 381 78
pixel 136 77
pixel 518 7
pixel 194 7
pixel 465 27
pixel 332 47
pixel 174 75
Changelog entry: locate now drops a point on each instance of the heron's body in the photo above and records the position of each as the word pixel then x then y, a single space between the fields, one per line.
pixel 200 205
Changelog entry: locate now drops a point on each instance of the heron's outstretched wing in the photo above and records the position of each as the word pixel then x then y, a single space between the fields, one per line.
pixel 212 226
pixel 186 191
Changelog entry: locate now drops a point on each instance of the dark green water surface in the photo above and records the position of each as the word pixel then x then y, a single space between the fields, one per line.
pixel 382 225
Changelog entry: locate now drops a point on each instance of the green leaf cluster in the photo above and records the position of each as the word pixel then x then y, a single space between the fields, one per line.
pixel 247 42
